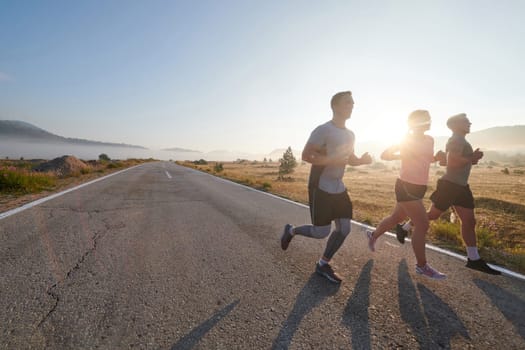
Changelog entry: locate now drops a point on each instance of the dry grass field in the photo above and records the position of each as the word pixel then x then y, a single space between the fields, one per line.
pixel 499 194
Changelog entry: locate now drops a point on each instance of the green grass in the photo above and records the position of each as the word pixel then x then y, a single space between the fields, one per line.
pixel 114 165
pixel 20 180
pixel 446 232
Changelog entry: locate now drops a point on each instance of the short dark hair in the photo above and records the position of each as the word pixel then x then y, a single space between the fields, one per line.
pixel 335 99
pixel 453 121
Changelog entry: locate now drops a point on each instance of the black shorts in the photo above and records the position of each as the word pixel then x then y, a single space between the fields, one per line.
pixel 405 191
pixel 325 207
pixel 448 193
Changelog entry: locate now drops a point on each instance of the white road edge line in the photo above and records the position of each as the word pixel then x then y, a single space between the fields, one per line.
pixel 391 245
pixel 55 195
pixel 367 227
pixel 168 175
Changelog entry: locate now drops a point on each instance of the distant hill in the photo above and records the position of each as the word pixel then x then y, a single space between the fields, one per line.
pixel 500 137
pixel 22 131
pixel 505 139
pixel 177 149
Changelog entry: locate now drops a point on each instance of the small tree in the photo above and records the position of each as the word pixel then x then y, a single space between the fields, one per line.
pixel 288 162
pixel 103 157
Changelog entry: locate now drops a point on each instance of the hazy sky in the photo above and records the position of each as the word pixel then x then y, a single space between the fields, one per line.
pixel 256 75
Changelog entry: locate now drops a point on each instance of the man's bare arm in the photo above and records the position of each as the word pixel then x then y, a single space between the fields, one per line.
pixel 456 160
pixel 364 159
pixel 314 155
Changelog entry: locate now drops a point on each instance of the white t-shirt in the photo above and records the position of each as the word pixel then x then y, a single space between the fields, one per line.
pixel 336 142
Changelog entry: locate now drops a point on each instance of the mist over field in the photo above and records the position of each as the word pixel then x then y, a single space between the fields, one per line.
pixel 23 140
pixel 16 149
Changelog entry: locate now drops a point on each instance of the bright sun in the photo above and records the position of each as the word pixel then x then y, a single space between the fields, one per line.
pixel 387 133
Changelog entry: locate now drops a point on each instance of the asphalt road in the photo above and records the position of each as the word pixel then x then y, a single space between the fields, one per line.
pixel 164 257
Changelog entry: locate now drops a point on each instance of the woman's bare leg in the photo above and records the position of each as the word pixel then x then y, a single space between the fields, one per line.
pixel 418 215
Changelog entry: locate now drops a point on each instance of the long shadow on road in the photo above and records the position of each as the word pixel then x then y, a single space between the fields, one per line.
pixel 355 315
pixel 432 321
pixel 191 339
pixel 443 323
pixel 313 293
pixel 510 305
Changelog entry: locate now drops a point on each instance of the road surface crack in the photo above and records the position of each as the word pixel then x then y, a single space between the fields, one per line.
pixel 56 298
pixel 51 290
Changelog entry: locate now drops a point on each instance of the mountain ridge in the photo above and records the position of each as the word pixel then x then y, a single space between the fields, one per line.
pixel 17 129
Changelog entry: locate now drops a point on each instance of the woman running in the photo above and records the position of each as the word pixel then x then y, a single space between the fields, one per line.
pixel 416 153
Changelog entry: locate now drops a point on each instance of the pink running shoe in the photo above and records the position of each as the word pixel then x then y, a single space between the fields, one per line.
pixel 371 241
pixel 430 272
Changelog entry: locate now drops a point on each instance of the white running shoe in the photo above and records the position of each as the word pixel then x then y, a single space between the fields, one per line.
pixel 371 241
pixel 430 272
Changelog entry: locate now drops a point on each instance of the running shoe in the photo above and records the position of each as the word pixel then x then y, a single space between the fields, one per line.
pixel 482 266
pixel 286 237
pixel 401 233
pixel 371 240
pixel 430 272
pixel 327 272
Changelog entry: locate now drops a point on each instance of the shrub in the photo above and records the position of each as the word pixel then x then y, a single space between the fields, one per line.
pixel 114 165
pixel 485 238
pixel 23 181
pixel 103 157
pixel 200 162
pixel 447 231
pixel 266 186
pixel 218 167
pixel 506 171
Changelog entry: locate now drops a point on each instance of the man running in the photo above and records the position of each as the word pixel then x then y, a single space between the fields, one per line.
pixel 453 190
pixel 329 149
